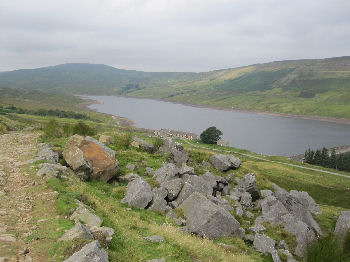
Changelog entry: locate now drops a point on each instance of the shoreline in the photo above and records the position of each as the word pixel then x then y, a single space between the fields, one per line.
pixel 130 122
pixel 256 112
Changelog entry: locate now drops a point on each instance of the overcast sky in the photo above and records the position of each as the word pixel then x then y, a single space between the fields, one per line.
pixel 170 35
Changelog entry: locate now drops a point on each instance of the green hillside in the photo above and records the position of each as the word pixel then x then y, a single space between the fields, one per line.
pixel 306 87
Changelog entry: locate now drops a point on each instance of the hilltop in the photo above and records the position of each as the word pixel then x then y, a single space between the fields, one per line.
pixel 318 87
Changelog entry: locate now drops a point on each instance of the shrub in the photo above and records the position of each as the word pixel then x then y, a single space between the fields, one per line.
pixel 67 130
pixel 211 135
pixel 123 140
pixel 325 249
pixel 52 129
pixel 157 143
pixel 83 129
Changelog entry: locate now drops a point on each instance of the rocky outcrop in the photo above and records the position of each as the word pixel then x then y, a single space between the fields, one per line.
pixel 225 162
pixel 138 194
pixel 343 224
pixel 90 159
pixel 207 219
pixel 89 253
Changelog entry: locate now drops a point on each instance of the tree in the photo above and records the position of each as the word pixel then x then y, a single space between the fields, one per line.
pixel 211 135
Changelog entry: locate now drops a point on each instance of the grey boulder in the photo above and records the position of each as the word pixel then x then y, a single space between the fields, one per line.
pixel 166 172
pixel 158 200
pixel 45 152
pixel 179 155
pixel 173 187
pixel 92 252
pixel 52 170
pixel 148 147
pixel 138 194
pixel 128 178
pixel 306 200
pixel 266 245
pixel 79 231
pixel 225 162
pixel 343 224
pixel 83 214
pixel 248 184
pixel 207 219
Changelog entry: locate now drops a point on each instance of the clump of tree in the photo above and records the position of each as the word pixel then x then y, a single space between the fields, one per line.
pixel 43 112
pixel 211 135
pixel 323 158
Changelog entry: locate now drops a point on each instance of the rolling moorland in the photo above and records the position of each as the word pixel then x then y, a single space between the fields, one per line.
pixel 318 87
pixel 46 204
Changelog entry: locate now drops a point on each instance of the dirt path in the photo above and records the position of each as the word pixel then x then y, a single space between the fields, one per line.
pixel 18 196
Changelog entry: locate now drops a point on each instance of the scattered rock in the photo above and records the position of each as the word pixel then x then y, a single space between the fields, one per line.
pixel 248 184
pixel 265 244
pixel 52 170
pixel 257 228
pixel 86 216
pixel 7 238
pixel 249 214
pixel 103 234
pixel 185 169
pixel 90 253
pixel 45 152
pixel 246 199
pixel 138 193
pixel 158 199
pixel 79 231
pixel 173 187
pixel 307 201
pixel 179 155
pixel 288 255
pixel 206 164
pixel 178 221
pixel 227 246
pixel 207 219
pixel 90 159
pixel 157 260
pixel 155 239
pixel 166 172
pixel 265 193
pixel 239 210
pixel 143 144
pixel 149 171
pixel 225 162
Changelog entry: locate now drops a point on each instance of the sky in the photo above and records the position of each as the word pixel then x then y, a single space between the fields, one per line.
pixel 170 35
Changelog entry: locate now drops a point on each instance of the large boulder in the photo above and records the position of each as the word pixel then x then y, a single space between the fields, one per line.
pixel 92 252
pixel 248 184
pixel 90 159
pixel 45 152
pixel 158 199
pixel 138 193
pixel 173 188
pixel 166 172
pixel 225 162
pixel 266 245
pixel 306 200
pixel 207 219
pixel 343 224
pixel 83 214
pixel 179 155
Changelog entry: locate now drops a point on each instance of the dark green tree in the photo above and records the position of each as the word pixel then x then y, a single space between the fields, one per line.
pixel 211 135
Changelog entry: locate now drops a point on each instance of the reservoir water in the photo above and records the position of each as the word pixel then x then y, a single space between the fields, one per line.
pixel 265 134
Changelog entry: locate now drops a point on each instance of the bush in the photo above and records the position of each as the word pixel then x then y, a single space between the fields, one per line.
pixel 83 129
pixel 211 135
pixel 52 129
pixel 157 143
pixel 123 140
pixel 325 249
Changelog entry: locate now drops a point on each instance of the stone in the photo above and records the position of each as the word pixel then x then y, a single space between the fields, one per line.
pixel 166 172
pixel 105 139
pixel 86 216
pixel 257 228
pixel 272 210
pixel 246 199
pixel 45 152
pixel 226 190
pixel 206 164
pixel 283 244
pixel 249 214
pixel 90 159
pixel 157 260
pixel 79 231
pixel 130 166
pixel 103 234
pixel 128 178
pixel 179 155
pixel 207 219
pixel 248 184
pixel 202 184
pixel 185 169
pixel 158 199
pixel 288 255
pixel 51 170
pixel 343 224
pixel 178 221
pixel 306 200
pixel 173 187
pixel 138 194
pixel 265 193
pixel 265 244
pixel 225 162
pixel 155 239
pixel 239 210
pixel 249 238
pixel 92 252
pixel 148 147
pixel 7 238
pixel 227 246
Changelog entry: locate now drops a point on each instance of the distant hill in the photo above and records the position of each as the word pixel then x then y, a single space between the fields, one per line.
pixel 306 87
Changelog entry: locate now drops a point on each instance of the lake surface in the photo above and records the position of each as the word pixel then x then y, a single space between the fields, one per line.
pixel 265 134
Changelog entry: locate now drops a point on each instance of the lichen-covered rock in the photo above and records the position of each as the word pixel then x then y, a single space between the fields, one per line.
pixel 105 139
pixel 83 214
pixel 90 159
pixel 103 234
pixel 138 193
pixel 148 147
pixel 225 162
pixel 92 252
pixel 207 219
